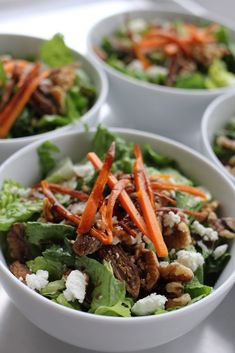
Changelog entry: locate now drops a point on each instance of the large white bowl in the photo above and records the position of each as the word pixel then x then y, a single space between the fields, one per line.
pixel 112 334
pixel 172 112
pixel 21 46
pixel 217 114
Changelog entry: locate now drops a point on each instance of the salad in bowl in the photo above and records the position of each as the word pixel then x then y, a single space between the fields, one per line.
pixel 175 53
pixel 123 232
pixel 45 88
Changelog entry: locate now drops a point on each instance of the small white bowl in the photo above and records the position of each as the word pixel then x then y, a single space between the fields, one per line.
pixel 112 334
pixel 21 46
pixel 217 114
pixel 172 112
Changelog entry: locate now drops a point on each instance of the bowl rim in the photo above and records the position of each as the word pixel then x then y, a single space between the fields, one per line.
pixel 205 122
pixel 224 287
pixel 148 85
pixel 101 97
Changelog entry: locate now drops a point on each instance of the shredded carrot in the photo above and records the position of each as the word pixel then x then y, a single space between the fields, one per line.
pixel 58 207
pixel 124 198
pixel 118 188
pixel 96 193
pixel 154 231
pixel 138 155
pixel 165 197
pixel 184 188
pixel 13 109
pixel 171 49
pixel 11 64
pixel 68 191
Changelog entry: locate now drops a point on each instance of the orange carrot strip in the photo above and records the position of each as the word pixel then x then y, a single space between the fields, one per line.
pixel 62 211
pixel 103 212
pixel 96 193
pixel 118 188
pixel 138 154
pixel 154 231
pixel 68 191
pixel 124 198
pixel 10 65
pixel 12 110
pixel 153 43
pixel 184 188
pixel 171 49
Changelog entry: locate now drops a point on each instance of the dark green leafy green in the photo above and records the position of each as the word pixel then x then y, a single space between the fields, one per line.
pixel 62 301
pixel 108 291
pixel 47 152
pixel 196 289
pixel 190 202
pixel 151 157
pixel 38 233
pixel 213 267
pixel 3 76
pixel 55 53
pixel 60 254
pixel 190 80
pixel 63 171
pixel 54 267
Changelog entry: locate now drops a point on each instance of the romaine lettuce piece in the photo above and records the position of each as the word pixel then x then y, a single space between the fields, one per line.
pixel 54 267
pixel 53 289
pixel 46 154
pixel 56 252
pixel 15 206
pixel 193 80
pixel 219 76
pixel 151 157
pixel 196 289
pixel 62 172
pixel 38 233
pixel 108 291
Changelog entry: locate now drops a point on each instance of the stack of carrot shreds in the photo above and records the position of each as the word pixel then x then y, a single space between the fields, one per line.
pixel 122 233
pixel 42 94
pixel 175 54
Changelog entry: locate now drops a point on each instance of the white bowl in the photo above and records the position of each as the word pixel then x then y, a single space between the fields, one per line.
pixel 172 112
pixel 217 114
pixel 21 46
pixel 111 334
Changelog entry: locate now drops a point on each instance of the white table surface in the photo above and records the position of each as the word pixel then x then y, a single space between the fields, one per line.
pixel 74 18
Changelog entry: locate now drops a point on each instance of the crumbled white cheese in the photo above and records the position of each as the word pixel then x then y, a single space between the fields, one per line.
pixel 114 220
pixel 171 219
pixel 136 65
pixel 190 259
pixel 115 241
pixel 220 251
pixel 207 233
pixel 75 286
pixel 137 239
pixel 202 245
pixel 78 208
pixel 155 70
pixel 84 170
pixel 149 304
pixel 137 25
pixel 37 281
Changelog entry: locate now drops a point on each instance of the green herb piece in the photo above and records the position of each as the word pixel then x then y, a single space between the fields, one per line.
pixel 151 157
pixel 52 289
pixel 46 153
pixel 55 53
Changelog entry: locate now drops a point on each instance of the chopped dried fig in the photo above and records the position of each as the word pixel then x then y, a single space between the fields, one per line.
pixel 18 246
pixel 86 244
pixel 19 270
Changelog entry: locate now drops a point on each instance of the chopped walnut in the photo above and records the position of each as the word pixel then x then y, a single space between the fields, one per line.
pixel 224 226
pixel 17 243
pixel 207 53
pixel 19 270
pixel 180 301
pixel 178 237
pixel 225 142
pixel 147 264
pixel 175 272
pixel 174 289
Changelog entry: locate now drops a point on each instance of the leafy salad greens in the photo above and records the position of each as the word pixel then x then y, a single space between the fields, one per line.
pixel 80 237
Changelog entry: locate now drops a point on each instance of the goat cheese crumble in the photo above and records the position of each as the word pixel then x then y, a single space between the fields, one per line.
pixel 190 259
pixel 75 286
pixel 78 208
pixel 220 251
pixel 38 280
pixel 171 219
pixel 84 170
pixel 207 233
pixel 137 25
pixel 149 304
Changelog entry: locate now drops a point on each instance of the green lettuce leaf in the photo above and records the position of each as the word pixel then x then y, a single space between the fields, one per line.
pixel 15 206
pixel 196 289
pixel 55 53
pixel 193 80
pixel 46 153
pixel 3 75
pixel 119 309
pixel 151 157
pixel 38 233
pixel 62 301
pixel 53 289
pixel 219 76
pixel 213 267
pixel 58 253
pixel 62 172
pixel 108 291
pixel 55 268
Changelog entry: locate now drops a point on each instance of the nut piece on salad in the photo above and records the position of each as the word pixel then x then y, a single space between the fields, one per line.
pixel 124 233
